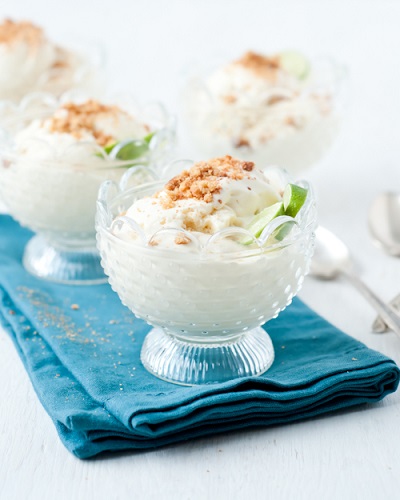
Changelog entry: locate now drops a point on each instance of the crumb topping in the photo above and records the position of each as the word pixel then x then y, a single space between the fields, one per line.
pixel 294 121
pixel 77 119
pixel 12 31
pixel 229 98
pixel 242 142
pixel 61 59
pixel 275 99
pixel 202 181
pixel 262 66
pixel 182 239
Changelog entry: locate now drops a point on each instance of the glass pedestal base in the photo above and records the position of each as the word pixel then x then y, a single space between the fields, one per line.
pixel 185 363
pixel 73 266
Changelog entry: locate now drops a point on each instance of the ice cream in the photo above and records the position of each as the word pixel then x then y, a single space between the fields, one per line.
pixel 29 62
pixel 263 108
pixel 211 196
pixel 90 124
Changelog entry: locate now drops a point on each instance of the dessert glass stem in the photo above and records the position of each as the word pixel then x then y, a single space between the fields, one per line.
pixel 190 363
pixel 69 265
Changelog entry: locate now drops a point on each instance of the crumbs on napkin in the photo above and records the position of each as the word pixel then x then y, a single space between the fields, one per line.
pixel 51 315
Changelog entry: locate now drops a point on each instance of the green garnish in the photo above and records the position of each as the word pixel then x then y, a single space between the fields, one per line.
pixel 148 137
pixel 295 63
pixel 294 197
pixel 131 150
pixel 110 147
pixel 259 222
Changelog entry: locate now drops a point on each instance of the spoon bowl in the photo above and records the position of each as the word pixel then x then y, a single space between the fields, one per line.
pixel 331 256
pixel 332 259
pixel 384 222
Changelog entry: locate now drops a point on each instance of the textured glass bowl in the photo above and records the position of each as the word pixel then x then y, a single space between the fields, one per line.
pixel 54 194
pixel 206 307
pixel 296 149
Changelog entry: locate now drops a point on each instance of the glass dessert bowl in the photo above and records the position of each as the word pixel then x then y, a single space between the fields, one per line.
pixel 281 109
pixel 52 168
pixel 206 260
pixel 30 62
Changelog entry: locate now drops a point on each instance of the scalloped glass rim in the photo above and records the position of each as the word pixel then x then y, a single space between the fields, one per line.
pixel 305 221
pixel 197 73
pixel 19 113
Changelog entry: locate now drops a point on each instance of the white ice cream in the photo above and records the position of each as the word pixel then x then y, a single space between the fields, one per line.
pixel 186 288
pixel 38 140
pixel 30 62
pixel 234 204
pixel 256 109
pixel 50 178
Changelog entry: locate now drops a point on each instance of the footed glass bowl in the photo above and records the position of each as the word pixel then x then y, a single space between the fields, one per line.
pixel 293 133
pixel 206 305
pixel 54 194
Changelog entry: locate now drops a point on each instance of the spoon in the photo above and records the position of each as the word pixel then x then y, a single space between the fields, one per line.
pixel 384 222
pixel 332 259
pixel 384 226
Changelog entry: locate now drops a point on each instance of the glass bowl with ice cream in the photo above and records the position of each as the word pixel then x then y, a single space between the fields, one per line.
pixel 51 170
pixel 30 61
pixel 206 259
pixel 280 109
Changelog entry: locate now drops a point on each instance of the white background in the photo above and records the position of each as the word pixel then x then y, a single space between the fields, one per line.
pixel 355 454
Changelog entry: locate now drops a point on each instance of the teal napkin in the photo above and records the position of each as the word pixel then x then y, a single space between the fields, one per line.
pixel 81 348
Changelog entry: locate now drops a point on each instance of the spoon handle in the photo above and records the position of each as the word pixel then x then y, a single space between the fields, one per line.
pixel 379 326
pixel 386 312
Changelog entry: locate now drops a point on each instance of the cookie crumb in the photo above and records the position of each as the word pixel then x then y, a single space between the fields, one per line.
pixel 203 180
pixel 78 119
pixel 229 99
pixel 14 31
pixel 182 239
pixel 260 65
pixel 242 143
pixel 275 99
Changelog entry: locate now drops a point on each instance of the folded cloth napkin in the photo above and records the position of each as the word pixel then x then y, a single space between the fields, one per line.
pixel 81 348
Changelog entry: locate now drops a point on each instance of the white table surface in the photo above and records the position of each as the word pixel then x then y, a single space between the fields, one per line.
pixel 351 455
